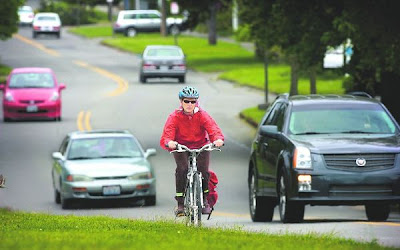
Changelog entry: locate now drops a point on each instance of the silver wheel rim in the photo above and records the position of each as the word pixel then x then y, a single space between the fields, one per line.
pixel 253 201
pixel 131 32
pixel 282 196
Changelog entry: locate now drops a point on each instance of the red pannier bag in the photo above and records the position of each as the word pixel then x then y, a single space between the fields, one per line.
pixel 212 192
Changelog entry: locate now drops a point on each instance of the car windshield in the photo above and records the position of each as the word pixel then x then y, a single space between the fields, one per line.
pixel 163 52
pixel 104 147
pixel 340 119
pixel 31 80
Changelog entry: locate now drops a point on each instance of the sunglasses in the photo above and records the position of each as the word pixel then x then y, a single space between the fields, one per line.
pixel 187 101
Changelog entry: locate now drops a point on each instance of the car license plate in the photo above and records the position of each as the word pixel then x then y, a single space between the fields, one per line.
pixel 164 67
pixel 32 108
pixel 111 190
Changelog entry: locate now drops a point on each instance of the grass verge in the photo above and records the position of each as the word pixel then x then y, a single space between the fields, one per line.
pixel 4 71
pixel 41 231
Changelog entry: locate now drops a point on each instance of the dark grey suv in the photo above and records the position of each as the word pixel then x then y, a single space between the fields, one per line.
pixel 324 150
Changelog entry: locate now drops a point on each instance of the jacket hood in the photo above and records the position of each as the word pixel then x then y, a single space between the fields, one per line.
pixel 349 144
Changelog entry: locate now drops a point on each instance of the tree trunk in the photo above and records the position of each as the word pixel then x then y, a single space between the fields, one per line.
pixel 266 75
pixel 389 97
pixel 313 81
pixel 212 24
pixel 294 75
pixel 163 28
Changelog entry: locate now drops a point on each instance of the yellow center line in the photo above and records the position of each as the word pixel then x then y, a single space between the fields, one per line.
pixel 37 45
pixel 87 121
pixel 79 121
pixel 122 83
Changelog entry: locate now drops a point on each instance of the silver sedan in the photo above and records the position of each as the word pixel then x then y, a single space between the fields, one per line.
pixel 101 165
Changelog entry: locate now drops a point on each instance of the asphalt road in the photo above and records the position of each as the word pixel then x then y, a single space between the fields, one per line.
pixel 103 92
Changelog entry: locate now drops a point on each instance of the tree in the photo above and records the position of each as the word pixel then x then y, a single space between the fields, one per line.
pixel 205 10
pixel 9 18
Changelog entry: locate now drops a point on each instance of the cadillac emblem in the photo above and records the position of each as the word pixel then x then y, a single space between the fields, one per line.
pixel 361 162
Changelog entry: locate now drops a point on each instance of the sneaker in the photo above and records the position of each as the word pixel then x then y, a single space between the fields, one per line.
pixel 180 210
pixel 206 209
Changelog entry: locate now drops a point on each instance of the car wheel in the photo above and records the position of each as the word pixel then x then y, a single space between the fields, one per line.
pixel 181 79
pixel 131 32
pixel 57 196
pixel 174 30
pixel 261 208
pixel 142 79
pixel 289 212
pixel 34 35
pixel 377 212
pixel 5 119
pixel 58 35
pixel 150 201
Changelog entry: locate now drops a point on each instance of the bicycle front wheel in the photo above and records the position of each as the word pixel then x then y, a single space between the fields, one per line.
pixel 197 194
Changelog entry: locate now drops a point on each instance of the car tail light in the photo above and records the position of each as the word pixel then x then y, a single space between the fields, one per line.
pixel 116 25
pixel 56 28
pixel 36 27
pixel 31 16
pixel 149 66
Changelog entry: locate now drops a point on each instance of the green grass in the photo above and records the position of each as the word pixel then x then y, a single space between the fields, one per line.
pixel 41 231
pixel 92 31
pixel 4 71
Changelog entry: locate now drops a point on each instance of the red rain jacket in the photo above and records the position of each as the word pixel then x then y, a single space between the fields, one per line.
pixel 193 131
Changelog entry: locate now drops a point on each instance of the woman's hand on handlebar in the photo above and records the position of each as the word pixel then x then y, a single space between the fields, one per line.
pixel 218 143
pixel 172 145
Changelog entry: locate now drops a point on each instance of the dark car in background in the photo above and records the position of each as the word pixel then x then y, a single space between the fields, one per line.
pixel 324 150
pixel 162 61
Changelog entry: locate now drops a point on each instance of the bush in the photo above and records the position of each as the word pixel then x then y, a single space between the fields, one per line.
pixel 243 33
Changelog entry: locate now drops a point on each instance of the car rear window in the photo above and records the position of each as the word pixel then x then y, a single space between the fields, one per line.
pixel 47 18
pixel 368 118
pixel 163 52
pixel 31 80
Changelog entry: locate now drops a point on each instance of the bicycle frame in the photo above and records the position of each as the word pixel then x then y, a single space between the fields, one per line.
pixel 193 195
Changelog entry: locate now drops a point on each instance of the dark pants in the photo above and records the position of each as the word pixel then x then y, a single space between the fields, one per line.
pixel 182 161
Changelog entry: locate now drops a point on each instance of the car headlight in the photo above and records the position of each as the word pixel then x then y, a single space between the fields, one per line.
pixel 9 97
pixel 77 178
pixel 140 176
pixel 302 158
pixel 55 96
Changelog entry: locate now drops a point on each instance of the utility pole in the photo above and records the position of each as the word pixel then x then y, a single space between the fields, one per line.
pixel 163 28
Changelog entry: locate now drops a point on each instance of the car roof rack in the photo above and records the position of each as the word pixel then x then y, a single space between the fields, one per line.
pixel 360 93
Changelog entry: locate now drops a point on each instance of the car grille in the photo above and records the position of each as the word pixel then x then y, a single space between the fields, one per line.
pixel 348 161
pixel 31 101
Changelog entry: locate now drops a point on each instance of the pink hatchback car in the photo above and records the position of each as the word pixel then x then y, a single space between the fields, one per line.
pixel 32 93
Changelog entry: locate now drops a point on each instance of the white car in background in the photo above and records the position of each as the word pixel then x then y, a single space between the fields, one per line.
pixel 46 23
pixel 26 15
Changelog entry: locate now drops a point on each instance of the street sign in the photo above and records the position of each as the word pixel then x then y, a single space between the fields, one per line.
pixel 174 8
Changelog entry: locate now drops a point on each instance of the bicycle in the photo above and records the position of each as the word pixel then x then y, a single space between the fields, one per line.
pixel 193 195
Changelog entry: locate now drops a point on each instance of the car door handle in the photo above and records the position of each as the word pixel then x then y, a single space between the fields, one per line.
pixel 265 144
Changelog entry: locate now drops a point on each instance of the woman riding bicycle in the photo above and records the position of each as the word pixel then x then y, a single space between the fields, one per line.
pixel 193 127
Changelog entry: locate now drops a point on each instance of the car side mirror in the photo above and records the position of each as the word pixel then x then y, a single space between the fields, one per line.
pixel 58 156
pixel 61 86
pixel 270 131
pixel 149 152
pixel 2 86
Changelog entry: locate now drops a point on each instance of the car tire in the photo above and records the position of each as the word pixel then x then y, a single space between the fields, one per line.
pixel 150 201
pixel 131 32
pixel 290 212
pixel 34 34
pixel 377 212
pixel 181 79
pixel 142 79
pixel 261 208
pixel 6 119
pixel 58 35
pixel 57 196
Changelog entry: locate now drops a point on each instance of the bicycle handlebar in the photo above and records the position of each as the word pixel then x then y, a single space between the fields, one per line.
pixel 182 148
